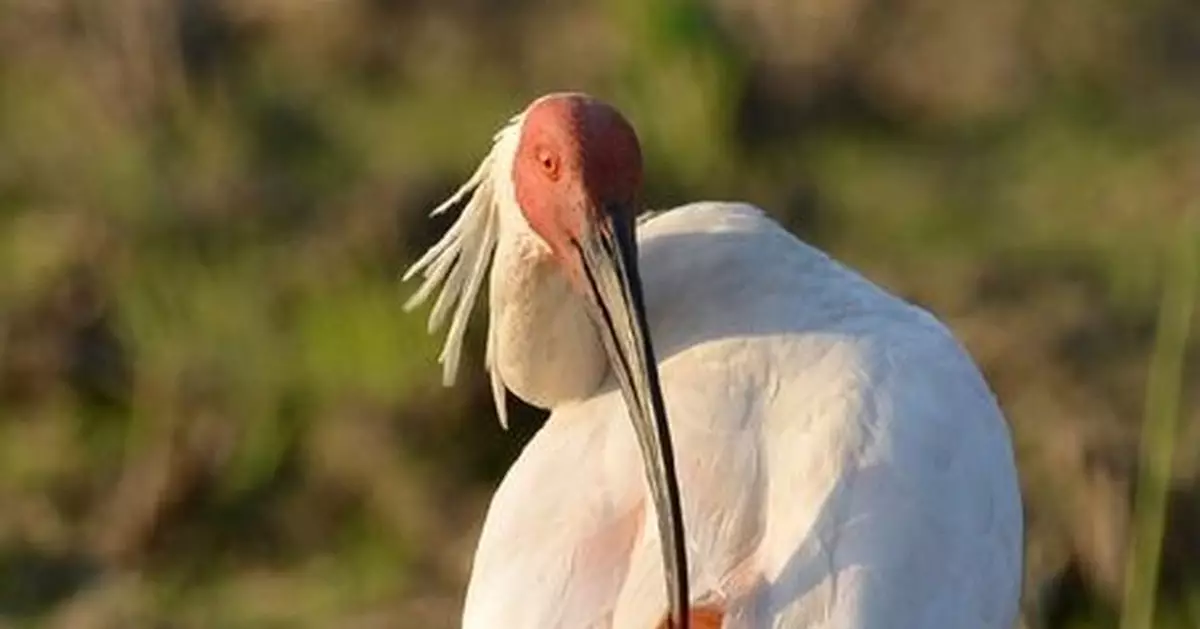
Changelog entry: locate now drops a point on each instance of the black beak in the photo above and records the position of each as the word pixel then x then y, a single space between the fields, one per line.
pixel 609 254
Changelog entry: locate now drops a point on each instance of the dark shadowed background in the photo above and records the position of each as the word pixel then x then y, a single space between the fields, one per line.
pixel 214 413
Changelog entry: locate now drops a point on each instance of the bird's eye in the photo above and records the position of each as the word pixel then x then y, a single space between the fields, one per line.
pixel 548 162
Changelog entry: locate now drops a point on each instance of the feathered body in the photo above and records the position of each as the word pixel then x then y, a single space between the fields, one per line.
pixel 842 462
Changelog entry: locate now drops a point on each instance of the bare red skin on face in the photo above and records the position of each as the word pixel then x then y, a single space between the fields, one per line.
pixel 577 159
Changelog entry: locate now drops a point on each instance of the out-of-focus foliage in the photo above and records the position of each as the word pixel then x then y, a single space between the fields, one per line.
pixel 214 413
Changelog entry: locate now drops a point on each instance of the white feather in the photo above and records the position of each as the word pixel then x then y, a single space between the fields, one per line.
pixel 458 263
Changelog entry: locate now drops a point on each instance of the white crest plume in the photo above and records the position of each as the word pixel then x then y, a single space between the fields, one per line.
pixel 460 260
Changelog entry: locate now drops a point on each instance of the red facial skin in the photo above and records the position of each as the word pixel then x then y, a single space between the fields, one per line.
pixel 577 159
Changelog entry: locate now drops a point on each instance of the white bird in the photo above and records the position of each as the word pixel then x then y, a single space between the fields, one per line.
pixel 842 462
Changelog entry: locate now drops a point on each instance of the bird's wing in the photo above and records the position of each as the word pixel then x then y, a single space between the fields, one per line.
pixel 890 494
pixel 920 522
pixel 884 493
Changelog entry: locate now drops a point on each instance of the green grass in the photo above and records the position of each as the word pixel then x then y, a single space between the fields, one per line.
pixel 1159 428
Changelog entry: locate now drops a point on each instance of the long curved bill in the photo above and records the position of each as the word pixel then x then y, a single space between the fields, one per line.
pixel 609 254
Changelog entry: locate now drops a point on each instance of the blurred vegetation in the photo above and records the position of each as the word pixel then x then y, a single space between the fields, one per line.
pixel 213 412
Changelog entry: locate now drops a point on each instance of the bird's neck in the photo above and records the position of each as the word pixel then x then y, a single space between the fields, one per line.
pixel 541 340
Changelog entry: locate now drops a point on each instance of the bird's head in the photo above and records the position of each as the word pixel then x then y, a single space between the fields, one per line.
pixel 577 170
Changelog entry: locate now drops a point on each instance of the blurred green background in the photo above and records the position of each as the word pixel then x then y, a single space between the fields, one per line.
pixel 213 412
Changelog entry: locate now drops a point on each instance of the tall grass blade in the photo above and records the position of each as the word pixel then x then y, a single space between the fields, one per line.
pixel 1163 392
